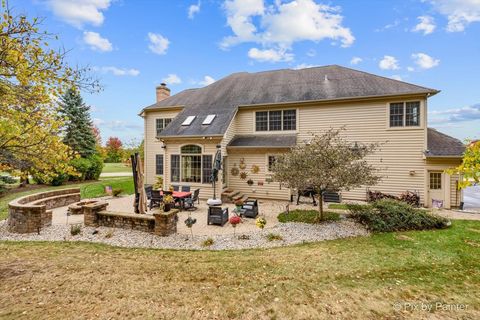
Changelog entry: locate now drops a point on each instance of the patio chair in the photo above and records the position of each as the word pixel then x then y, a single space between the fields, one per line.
pixel 185 188
pixel 156 199
pixel 249 208
pixel 148 191
pixel 190 202
pixel 217 215
pixel 176 188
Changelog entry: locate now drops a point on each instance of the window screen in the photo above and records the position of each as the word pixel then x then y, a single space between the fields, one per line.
pixel 175 168
pixel 275 120
pixel 159 164
pixel 261 121
pixel 396 115
pixel 412 114
pixel 207 168
pixel 289 120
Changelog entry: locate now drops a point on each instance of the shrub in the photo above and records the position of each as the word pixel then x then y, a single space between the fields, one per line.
pixel 388 215
pixel 208 242
pixel 274 237
pixel 81 165
pixel 88 168
pixel 75 229
pixel 96 167
pixel 7 179
pixel 306 216
pixel 56 181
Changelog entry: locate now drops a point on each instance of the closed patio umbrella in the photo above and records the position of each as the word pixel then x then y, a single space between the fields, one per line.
pixel 142 201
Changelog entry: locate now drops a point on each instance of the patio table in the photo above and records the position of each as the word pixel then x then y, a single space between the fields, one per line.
pixel 180 195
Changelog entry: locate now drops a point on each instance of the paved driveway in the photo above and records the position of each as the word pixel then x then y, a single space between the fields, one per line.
pixel 471 197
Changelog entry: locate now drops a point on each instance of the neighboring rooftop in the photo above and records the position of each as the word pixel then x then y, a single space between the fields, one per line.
pixel 442 145
pixel 263 141
pixel 224 96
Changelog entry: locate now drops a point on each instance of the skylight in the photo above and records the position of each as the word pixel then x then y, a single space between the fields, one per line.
pixel 188 121
pixel 209 119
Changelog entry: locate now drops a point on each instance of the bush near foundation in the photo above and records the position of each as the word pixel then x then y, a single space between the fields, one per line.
pixel 389 215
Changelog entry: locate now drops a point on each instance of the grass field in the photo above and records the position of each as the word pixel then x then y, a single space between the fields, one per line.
pixel 362 278
pixel 116 167
pixel 90 189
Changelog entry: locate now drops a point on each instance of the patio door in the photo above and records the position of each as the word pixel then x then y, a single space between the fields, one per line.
pixel 436 189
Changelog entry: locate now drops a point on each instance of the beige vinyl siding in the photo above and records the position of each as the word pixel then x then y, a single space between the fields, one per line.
pixel 365 122
pixel 228 136
pixel 257 157
pixel 152 145
pixel 455 196
pixel 208 148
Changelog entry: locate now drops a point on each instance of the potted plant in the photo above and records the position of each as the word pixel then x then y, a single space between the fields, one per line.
pixel 171 188
pixel 158 183
pixel 167 202
pixel 239 204
pixel 261 222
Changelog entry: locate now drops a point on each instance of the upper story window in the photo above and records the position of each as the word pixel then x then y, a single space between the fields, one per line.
pixel 162 124
pixel 276 120
pixel 405 114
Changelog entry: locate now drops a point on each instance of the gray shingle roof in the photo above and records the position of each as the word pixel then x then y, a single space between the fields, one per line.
pixel 442 145
pixel 224 96
pixel 264 141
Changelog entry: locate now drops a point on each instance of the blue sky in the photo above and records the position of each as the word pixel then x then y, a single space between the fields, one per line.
pixel 132 46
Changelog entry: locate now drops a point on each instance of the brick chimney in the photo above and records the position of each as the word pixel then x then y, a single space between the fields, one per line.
pixel 163 92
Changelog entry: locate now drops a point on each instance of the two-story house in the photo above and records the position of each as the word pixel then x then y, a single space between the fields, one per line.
pixel 252 117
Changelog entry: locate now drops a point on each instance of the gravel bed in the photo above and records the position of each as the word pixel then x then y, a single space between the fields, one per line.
pixel 291 233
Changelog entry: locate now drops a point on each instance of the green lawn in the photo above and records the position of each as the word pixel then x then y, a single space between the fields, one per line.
pixel 90 189
pixel 307 216
pixel 361 278
pixel 116 167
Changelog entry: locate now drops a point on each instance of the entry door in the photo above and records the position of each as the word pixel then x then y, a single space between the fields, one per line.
pixel 436 189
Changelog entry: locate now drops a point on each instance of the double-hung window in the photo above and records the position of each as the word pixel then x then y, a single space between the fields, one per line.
pixel 159 164
pixel 162 123
pixel 277 120
pixel 405 114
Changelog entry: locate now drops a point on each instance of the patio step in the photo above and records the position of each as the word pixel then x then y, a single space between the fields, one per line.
pixel 230 196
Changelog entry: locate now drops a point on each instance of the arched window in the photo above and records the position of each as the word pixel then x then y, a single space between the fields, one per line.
pixel 191 149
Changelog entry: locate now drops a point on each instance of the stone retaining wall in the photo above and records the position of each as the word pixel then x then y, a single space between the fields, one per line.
pixel 31 213
pixel 160 223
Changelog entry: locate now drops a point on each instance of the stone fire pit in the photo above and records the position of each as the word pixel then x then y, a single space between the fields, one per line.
pixel 77 208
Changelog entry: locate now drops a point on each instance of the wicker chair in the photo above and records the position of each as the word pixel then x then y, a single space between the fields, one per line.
pixel 217 215
pixel 156 199
pixel 190 202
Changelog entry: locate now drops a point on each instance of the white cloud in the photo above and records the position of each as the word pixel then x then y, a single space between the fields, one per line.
pixel 468 113
pixel 389 63
pixel 396 77
pixel 96 42
pixel 207 80
pixel 270 55
pixel 460 13
pixel 119 71
pixel 395 24
pixel 193 9
pixel 158 43
pixel 281 24
pixel 410 69
pixel 80 12
pixel 426 25
pixel 304 66
pixel 356 60
pixel 172 79
pixel 424 61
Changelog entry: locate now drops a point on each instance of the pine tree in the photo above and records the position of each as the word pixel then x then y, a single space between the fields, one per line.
pixel 78 129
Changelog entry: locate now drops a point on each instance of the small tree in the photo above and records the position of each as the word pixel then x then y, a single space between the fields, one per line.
pixel 470 167
pixel 114 150
pixel 327 163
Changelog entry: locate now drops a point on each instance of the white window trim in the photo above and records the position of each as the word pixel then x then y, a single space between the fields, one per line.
pixel 254 127
pixel 180 154
pixel 403 127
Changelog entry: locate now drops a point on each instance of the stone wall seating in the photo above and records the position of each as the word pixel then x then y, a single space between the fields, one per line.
pixel 33 212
